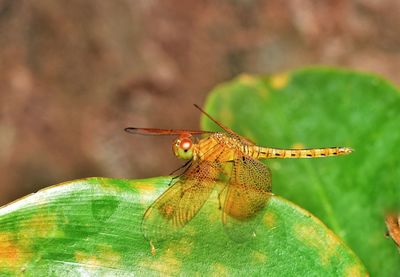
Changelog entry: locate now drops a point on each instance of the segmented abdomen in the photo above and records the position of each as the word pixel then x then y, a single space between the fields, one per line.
pixel 270 153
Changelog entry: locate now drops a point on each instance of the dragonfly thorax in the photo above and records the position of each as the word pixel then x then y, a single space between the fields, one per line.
pixel 183 147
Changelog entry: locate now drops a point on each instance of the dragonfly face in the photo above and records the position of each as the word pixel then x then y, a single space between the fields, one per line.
pixel 183 147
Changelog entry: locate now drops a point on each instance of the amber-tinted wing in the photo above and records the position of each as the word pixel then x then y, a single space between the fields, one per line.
pixel 245 198
pixel 162 132
pixel 181 202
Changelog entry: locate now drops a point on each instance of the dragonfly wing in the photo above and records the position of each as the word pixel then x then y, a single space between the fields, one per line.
pixel 161 132
pixel 245 197
pixel 181 202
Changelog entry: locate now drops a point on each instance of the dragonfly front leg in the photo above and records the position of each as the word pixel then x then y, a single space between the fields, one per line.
pixel 185 167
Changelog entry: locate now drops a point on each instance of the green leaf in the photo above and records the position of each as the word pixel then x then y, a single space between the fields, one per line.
pixel 322 107
pixel 92 226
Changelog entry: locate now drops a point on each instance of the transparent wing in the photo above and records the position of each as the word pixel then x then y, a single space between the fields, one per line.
pixel 245 197
pixel 181 202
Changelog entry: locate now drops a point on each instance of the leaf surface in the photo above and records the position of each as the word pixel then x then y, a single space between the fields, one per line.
pixel 92 226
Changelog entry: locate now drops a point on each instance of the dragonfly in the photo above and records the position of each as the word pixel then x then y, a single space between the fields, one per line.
pixel 227 162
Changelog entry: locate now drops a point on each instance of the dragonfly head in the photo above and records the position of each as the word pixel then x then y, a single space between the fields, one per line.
pixel 183 147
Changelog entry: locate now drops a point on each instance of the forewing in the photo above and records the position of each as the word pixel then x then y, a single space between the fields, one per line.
pixel 162 132
pixel 245 198
pixel 181 202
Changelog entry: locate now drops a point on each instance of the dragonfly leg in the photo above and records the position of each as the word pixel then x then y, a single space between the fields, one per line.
pixel 172 180
pixel 187 164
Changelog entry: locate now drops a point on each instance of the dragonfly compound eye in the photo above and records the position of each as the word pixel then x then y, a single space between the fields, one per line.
pixel 185 144
pixel 183 148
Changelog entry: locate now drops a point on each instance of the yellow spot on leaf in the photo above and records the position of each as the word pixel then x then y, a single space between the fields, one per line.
pixel 105 256
pixel 248 79
pixel 109 254
pixel 323 243
pixel 12 255
pixel 42 225
pixel 87 259
pixel 146 193
pixel 145 187
pixel 279 81
pixel 259 257
pixel 354 271
pixel 270 220
pixel 184 246
pixel 253 83
pixel 219 270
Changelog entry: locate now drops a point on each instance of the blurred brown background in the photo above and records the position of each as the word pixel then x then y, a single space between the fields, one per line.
pixel 74 73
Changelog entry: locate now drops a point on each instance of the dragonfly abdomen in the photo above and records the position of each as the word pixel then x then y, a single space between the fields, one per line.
pixel 271 153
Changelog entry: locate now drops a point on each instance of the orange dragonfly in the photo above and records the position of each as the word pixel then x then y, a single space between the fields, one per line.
pixel 225 161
